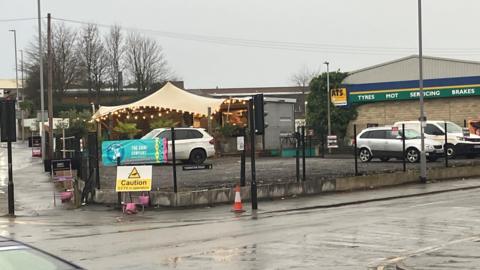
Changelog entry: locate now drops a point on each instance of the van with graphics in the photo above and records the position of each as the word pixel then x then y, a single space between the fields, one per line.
pixel 459 140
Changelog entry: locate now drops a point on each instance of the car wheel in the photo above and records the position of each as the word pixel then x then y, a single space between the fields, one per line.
pixel 412 155
pixel 384 159
pixel 365 155
pixel 197 156
pixel 450 151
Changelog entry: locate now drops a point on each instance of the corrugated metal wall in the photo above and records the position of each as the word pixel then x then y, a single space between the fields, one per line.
pixel 407 69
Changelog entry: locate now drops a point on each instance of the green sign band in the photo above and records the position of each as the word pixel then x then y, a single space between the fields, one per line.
pixel 386 95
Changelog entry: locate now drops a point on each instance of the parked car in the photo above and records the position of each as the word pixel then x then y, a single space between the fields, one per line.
pixel 15 255
pixel 193 145
pixel 459 141
pixel 382 143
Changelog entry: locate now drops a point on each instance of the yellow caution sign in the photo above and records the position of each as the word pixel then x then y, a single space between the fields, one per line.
pixel 339 96
pixel 133 178
pixel 134 174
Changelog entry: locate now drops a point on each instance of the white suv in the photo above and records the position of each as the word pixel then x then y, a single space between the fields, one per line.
pixel 191 144
pixel 458 142
pixel 381 142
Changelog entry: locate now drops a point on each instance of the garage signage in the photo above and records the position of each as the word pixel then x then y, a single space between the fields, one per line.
pixel 133 178
pixel 339 96
pixel 130 152
pixel 411 94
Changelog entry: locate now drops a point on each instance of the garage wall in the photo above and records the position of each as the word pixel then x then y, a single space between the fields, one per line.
pixel 386 113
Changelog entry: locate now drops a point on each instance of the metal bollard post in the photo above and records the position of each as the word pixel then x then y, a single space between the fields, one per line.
pixel 297 154
pixel 242 162
pixel 403 148
pixel 174 164
pixel 119 195
pixel 355 154
pixel 445 145
pixel 303 154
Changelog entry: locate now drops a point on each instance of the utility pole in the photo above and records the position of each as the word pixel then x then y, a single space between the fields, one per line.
pixel 42 96
pixel 16 71
pixel 329 126
pixel 50 86
pixel 23 91
pixel 423 158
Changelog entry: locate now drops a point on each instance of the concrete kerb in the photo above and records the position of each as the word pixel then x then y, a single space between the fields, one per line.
pixel 280 190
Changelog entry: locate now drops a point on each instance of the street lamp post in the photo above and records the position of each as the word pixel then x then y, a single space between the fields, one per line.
pixel 329 126
pixel 423 159
pixel 42 102
pixel 16 67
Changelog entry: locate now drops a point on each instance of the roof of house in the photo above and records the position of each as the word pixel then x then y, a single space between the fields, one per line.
pixel 246 91
pixel 10 84
pixel 413 56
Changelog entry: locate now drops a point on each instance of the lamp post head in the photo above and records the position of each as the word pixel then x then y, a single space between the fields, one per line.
pixel 326 63
pixel 12 30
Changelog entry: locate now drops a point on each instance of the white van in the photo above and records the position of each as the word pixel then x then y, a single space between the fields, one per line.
pixel 459 141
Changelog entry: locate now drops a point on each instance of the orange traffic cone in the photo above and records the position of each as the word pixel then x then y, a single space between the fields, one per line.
pixel 237 206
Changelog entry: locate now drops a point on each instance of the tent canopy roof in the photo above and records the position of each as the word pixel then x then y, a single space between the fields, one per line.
pixel 169 97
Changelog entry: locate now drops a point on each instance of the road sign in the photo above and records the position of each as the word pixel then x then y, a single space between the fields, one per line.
pixel 339 96
pixel 197 167
pixel 133 178
pixel 240 143
pixel 394 131
pixel 332 141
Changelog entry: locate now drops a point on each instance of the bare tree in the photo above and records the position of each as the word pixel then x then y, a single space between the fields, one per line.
pixel 65 61
pixel 92 60
pixel 145 61
pixel 114 47
pixel 303 76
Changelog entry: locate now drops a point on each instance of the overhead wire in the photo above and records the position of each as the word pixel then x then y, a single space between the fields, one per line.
pixel 279 45
pixel 18 19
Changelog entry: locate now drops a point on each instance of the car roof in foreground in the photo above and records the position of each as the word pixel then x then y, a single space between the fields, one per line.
pixel 35 255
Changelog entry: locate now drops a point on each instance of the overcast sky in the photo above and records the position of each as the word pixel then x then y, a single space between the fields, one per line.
pixel 263 42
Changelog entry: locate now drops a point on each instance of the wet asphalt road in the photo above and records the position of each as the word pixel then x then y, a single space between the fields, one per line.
pixel 422 232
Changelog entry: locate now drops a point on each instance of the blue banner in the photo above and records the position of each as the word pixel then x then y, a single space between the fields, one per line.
pixel 131 152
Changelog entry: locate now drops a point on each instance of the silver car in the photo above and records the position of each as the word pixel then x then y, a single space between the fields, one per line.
pixel 384 143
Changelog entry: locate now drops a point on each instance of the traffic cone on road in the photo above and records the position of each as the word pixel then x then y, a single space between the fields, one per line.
pixel 237 205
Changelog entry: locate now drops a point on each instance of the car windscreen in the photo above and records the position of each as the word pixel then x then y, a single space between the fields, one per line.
pixel 15 258
pixel 151 135
pixel 453 128
pixel 410 134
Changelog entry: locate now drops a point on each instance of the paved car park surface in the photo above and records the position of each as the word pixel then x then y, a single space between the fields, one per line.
pixel 226 171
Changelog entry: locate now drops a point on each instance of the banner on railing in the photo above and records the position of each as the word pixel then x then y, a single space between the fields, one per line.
pixel 131 152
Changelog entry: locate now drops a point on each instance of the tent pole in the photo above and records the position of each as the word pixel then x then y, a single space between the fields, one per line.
pixel 209 115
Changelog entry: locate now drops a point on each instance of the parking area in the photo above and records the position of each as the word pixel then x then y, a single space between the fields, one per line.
pixel 226 171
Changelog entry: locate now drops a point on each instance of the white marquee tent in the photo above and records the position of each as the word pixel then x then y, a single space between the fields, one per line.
pixel 169 97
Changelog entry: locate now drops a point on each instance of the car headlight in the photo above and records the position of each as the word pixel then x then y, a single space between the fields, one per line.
pixel 460 138
pixel 429 147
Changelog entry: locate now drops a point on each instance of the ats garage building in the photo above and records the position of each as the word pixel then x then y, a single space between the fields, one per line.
pixel 388 92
